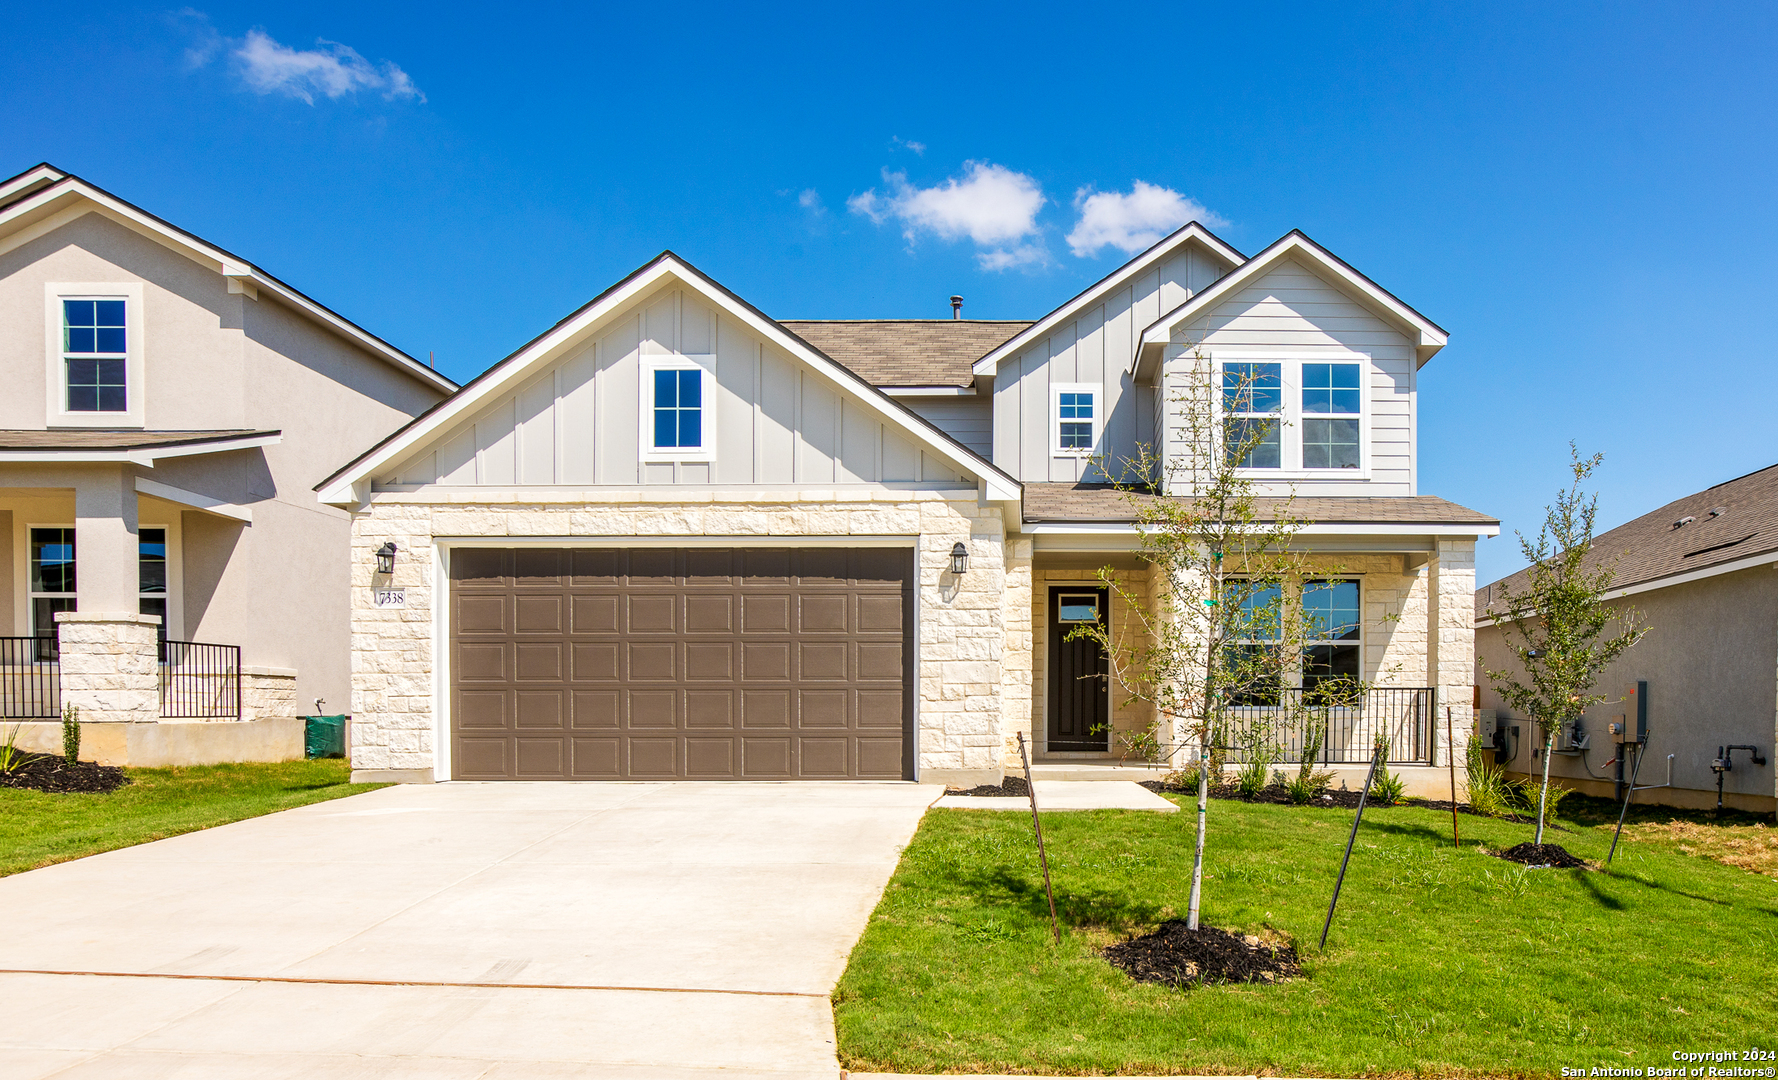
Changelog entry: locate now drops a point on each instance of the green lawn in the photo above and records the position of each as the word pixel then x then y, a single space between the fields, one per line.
pixel 37 829
pixel 1441 962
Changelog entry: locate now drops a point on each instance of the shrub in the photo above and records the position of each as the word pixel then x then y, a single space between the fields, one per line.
pixel 1387 788
pixel 71 733
pixel 1304 789
pixel 1525 795
pixel 1251 780
pixel 11 757
pixel 1489 790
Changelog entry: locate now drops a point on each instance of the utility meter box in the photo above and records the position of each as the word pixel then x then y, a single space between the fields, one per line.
pixel 1632 726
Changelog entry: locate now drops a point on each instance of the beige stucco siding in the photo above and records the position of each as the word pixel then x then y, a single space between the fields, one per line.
pixel 1711 661
pixel 960 628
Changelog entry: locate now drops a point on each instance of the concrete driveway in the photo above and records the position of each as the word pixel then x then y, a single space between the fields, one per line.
pixel 458 931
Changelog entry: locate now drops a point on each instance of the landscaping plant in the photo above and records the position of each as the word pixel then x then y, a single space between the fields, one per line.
pixel 1489 790
pixel 11 757
pixel 1556 620
pixel 1220 635
pixel 71 733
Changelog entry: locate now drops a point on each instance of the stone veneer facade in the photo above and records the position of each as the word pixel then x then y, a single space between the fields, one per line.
pixel 109 666
pixel 961 630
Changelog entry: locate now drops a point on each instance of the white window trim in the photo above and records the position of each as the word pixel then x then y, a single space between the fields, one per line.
pixel 56 370
pixel 1291 419
pixel 29 608
pixel 175 595
pixel 1355 579
pixel 701 362
pixel 1056 392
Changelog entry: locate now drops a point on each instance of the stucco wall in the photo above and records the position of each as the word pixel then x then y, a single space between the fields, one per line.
pixel 961 626
pixel 1711 661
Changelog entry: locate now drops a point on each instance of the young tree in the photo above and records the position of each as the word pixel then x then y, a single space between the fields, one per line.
pixel 1223 629
pixel 1558 616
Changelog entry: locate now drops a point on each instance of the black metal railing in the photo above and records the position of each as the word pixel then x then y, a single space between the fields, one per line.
pixel 30 678
pixel 200 681
pixel 1346 724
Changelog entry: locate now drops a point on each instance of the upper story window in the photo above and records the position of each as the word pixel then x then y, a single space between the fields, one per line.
pixel 1253 404
pixel 95 350
pixel 94 358
pixel 1075 420
pixel 1296 417
pixel 677 405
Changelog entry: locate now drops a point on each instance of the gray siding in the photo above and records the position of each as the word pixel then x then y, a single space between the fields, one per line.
pixel 969 420
pixel 777 420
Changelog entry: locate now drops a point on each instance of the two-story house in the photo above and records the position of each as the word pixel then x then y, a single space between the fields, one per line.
pixel 674 537
pixel 168 408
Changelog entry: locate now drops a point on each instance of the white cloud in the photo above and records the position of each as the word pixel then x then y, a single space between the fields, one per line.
pixel 810 199
pixel 330 70
pixel 1134 221
pixel 919 148
pixel 990 204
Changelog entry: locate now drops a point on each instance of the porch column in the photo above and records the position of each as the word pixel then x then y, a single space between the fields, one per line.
pixel 109 666
pixel 1451 643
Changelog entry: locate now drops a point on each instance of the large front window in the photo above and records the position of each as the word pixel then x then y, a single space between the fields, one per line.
pixel 96 355
pixel 1252 405
pixel 1332 656
pixel 1296 417
pixel 1251 671
pixel 52 582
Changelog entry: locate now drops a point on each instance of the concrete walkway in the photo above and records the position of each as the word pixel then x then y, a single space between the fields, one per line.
pixel 1068 795
pixel 459 930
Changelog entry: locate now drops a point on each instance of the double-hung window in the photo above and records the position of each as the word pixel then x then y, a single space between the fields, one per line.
pixel 1330 416
pixel 1075 422
pixel 52 581
pixel 94 333
pixel 1332 656
pixel 1251 664
pixel 1253 406
pixel 678 410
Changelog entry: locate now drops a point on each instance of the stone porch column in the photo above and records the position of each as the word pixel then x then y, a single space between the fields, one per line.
pixel 109 663
pixel 1450 634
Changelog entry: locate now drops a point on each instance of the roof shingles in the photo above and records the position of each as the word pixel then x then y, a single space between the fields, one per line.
pixel 906 352
pixel 119 440
pixel 1102 503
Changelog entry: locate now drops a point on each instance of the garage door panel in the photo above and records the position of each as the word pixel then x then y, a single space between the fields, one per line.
pixel 605 664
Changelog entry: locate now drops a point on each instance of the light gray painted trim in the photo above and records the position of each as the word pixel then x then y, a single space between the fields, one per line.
pixel 929 391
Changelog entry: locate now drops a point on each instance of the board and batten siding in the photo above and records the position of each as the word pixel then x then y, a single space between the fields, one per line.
pixel 1095 347
pixel 1292 313
pixel 968 419
pixel 577 423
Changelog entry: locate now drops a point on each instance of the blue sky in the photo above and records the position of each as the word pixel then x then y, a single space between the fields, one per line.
pixel 1583 195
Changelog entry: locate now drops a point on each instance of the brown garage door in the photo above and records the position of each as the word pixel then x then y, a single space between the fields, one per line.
pixel 702 664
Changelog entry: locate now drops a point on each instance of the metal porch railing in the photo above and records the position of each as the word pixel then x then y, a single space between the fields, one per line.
pixel 1349 722
pixel 200 681
pixel 30 678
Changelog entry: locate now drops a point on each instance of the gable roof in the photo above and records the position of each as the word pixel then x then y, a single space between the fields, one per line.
pixel 350 483
pixel 1190 232
pixel 44 197
pixel 1732 524
pixel 907 352
pixel 1428 336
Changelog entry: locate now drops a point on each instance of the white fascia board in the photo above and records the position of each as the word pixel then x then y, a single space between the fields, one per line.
pixel 1752 562
pixel 25 182
pixel 241 276
pixel 192 499
pixel 1428 338
pixel 545 349
pixel 989 365
pixel 929 391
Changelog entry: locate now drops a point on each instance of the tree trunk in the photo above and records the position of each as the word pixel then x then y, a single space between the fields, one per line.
pixel 1543 793
pixel 1191 918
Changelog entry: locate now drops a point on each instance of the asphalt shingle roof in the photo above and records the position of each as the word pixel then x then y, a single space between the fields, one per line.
pixel 117 440
pixel 1731 521
pixel 1094 503
pixel 906 352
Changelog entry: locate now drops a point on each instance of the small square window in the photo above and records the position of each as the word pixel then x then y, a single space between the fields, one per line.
pixel 1075 420
pixel 1077 608
pixel 679 409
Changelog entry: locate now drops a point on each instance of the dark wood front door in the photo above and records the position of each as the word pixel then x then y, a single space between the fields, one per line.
pixel 1079 686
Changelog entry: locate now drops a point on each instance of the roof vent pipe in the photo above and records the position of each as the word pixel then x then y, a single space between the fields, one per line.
pixel 956 307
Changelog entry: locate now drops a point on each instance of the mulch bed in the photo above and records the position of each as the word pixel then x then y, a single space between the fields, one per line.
pixel 49 772
pixel 1542 855
pixel 1014 786
pixel 1279 795
pixel 1177 956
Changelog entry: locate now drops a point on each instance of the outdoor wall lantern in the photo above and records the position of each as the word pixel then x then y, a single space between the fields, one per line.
pixel 959 558
pixel 386 558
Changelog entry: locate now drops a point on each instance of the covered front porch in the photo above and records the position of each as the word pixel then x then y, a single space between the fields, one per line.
pixel 94 609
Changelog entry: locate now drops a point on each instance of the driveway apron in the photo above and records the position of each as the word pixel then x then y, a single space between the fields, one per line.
pixel 459 930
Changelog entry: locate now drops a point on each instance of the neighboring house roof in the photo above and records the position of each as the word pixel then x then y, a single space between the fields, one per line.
pixel 1428 337
pixel 1191 232
pixel 1733 525
pixel 44 197
pixel 346 485
pixel 141 447
pixel 1105 504
pixel 907 352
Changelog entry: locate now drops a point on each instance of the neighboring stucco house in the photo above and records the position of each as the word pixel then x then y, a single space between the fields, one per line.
pixel 672 537
pixel 168 410
pixel 1703 572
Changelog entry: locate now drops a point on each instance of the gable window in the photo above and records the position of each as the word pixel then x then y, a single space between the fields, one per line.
pixel 678 409
pixel 1333 653
pixel 94 348
pixel 1252 404
pixel 1330 416
pixel 1074 419
pixel 94 355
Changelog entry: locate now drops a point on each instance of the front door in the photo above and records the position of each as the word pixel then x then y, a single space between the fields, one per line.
pixel 1079 687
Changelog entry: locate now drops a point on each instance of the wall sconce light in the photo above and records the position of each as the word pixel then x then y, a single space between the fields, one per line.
pixel 386 558
pixel 959 558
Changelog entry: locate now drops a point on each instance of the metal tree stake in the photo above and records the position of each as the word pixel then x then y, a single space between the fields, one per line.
pixel 1037 827
pixel 1356 818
